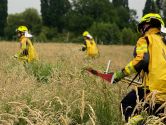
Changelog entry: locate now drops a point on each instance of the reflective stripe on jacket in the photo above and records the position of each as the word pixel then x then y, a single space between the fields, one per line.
pixel 137 64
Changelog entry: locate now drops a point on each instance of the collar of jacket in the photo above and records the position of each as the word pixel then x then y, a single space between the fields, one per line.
pixel 22 37
pixel 152 31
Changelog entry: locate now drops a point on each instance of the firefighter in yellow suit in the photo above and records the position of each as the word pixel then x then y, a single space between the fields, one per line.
pixel 27 51
pixel 150 58
pixel 90 45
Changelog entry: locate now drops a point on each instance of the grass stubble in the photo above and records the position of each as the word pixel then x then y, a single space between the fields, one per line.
pixel 69 95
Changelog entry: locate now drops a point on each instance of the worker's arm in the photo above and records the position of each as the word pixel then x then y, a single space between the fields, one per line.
pixel 84 47
pixel 141 59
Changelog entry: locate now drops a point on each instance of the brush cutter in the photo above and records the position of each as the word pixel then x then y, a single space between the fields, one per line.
pixel 110 76
pixel 106 76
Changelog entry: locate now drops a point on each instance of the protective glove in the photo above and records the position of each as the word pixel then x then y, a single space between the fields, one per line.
pixel 83 48
pixel 135 120
pixel 118 75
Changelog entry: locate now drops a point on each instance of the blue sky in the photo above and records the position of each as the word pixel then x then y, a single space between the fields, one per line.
pixel 17 6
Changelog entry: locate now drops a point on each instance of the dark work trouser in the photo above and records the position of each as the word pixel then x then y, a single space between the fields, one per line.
pixel 129 103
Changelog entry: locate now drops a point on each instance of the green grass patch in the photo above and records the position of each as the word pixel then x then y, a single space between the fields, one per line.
pixel 42 71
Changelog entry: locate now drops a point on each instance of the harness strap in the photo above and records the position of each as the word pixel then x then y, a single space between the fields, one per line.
pixel 133 79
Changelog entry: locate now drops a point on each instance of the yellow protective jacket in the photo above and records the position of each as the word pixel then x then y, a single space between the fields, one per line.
pixel 156 77
pixel 151 45
pixel 91 47
pixel 27 51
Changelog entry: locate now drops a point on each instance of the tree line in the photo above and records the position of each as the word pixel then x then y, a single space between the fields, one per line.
pixel 110 22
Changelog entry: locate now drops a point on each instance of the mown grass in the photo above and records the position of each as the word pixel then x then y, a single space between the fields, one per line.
pixel 71 95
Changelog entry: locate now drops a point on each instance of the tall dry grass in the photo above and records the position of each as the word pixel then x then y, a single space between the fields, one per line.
pixel 71 96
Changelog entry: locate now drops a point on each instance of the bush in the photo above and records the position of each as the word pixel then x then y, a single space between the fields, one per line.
pixel 76 24
pixel 106 33
pixel 42 37
pixel 128 37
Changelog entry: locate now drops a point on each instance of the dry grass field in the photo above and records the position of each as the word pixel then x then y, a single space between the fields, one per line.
pixel 68 95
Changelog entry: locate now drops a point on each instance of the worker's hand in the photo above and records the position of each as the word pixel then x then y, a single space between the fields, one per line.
pixel 118 75
pixel 83 48
pixel 15 56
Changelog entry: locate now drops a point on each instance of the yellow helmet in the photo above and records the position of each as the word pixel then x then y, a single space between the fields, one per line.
pixel 85 33
pixel 22 29
pixel 148 18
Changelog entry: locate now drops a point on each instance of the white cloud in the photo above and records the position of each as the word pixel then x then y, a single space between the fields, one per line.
pixel 17 6
pixel 137 5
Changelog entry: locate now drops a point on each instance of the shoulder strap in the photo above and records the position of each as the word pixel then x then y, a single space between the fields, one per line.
pixel 147 40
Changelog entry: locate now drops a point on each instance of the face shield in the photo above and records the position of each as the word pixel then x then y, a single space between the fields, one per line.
pixel 163 29
pixel 28 34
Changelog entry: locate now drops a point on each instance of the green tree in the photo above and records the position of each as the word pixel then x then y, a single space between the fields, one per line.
pixel 120 6
pixel 123 19
pixel 128 37
pixel 97 9
pixel 80 15
pixel 123 3
pixel 32 19
pixel 29 18
pixel 85 12
pixel 106 33
pixel 3 16
pixel 13 22
pixel 77 23
pixel 150 7
pixel 164 9
pixel 133 20
pixel 54 13
pixel 159 3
